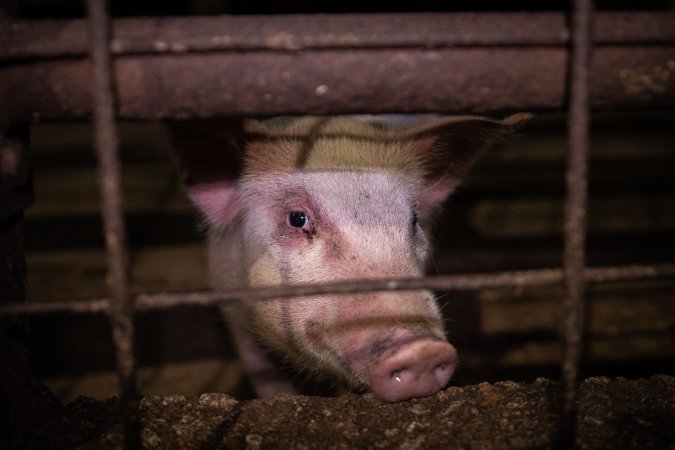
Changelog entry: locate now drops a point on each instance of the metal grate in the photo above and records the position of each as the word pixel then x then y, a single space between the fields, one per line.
pixel 260 43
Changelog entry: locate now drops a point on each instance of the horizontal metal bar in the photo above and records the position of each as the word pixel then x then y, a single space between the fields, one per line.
pixel 332 81
pixel 515 279
pixel 58 38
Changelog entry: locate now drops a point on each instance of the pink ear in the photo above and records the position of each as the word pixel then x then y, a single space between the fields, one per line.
pixel 450 146
pixel 209 157
pixel 217 200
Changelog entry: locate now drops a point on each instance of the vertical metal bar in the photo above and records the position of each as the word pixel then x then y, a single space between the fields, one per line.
pixel 576 202
pixel 121 311
pixel 17 411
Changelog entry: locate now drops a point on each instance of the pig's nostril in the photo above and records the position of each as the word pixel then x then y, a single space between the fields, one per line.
pixel 443 372
pixel 398 375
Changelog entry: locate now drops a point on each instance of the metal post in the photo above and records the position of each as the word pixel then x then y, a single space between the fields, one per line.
pixel 121 307
pixel 575 216
pixel 16 413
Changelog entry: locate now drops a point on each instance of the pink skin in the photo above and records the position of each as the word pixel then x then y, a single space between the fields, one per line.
pixel 417 369
pixel 218 200
pixel 348 238
pixel 361 224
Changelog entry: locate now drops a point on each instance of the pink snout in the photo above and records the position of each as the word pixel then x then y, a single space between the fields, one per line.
pixel 416 369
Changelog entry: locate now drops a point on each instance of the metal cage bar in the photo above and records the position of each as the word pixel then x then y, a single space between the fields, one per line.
pixel 517 279
pixel 121 311
pixel 576 206
pixel 16 194
pixel 39 39
pixel 223 66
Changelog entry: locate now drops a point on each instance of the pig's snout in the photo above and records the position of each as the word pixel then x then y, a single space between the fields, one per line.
pixel 416 369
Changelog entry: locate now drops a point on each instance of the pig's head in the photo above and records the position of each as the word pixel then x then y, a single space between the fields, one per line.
pixel 325 199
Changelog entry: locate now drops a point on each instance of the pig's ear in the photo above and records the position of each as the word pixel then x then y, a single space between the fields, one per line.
pixel 210 158
pixel 450 145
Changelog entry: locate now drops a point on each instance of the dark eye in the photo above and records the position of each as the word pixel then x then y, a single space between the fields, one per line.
pixel 297 219
pixel 414 220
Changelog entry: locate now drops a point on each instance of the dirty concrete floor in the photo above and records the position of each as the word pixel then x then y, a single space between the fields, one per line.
pixel 613 414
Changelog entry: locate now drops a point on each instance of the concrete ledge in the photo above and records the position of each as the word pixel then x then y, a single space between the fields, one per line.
pixel 614 414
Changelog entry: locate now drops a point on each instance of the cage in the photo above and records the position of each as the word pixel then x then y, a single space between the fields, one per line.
pixel 528 237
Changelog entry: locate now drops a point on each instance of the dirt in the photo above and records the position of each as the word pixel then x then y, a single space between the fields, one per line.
pixel 613 414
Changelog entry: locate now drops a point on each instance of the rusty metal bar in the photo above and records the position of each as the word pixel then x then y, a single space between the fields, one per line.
pixel 24 40
pixel 180 67
pixel 451 80
pixel 18 409
pixel 516 279
pixel 121 307
pixel 576 205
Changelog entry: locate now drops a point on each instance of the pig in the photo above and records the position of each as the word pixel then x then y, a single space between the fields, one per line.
pixel 299 200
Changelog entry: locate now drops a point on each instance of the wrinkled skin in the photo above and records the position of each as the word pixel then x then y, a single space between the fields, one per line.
pixel 316 200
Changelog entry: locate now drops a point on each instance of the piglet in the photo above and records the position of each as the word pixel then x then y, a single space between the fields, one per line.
pixel 322 199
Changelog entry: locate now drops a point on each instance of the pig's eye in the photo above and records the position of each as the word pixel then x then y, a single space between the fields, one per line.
pixel 414 220
pixel 297 219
